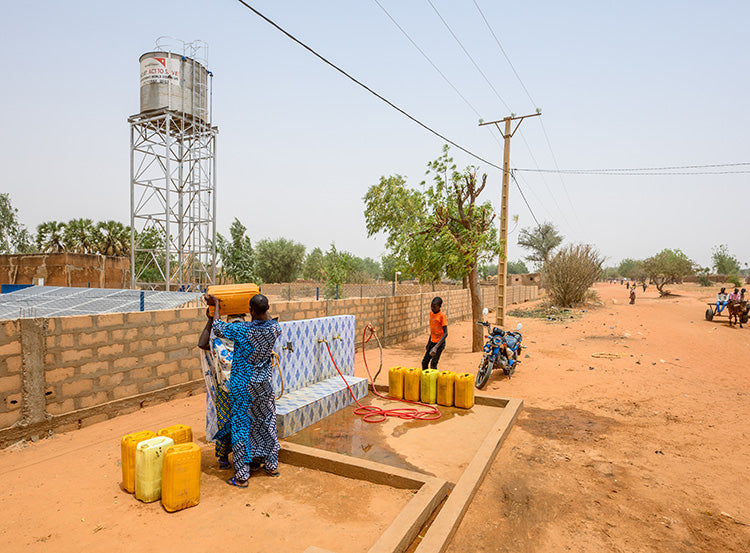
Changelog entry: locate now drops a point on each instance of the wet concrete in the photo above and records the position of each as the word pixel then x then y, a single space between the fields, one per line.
pixel 346 433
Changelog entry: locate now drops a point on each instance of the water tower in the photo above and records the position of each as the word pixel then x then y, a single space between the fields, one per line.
pixel 173 171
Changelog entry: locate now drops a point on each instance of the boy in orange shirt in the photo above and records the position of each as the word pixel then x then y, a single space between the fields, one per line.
pixel 438 333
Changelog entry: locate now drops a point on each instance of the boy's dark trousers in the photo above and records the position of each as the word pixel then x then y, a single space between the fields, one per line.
pixel 430 360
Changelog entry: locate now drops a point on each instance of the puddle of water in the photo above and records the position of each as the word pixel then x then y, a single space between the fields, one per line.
pixel 345 433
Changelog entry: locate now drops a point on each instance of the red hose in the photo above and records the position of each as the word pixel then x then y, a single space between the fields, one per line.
pixel 372 413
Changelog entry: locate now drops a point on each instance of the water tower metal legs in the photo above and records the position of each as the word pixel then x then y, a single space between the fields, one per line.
pixel 172 201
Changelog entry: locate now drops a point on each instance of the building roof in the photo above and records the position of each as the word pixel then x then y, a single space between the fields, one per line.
pixel 58 301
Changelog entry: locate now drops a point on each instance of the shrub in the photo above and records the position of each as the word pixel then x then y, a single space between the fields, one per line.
pixel 735 279
pixel 703 280
pixel 569 274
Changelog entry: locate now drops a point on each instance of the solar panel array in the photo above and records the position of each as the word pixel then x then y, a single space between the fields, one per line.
pixel 58 301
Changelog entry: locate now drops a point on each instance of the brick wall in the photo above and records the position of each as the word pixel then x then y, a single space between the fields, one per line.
pixel 10 373
pixel 61 373
pixel 66 269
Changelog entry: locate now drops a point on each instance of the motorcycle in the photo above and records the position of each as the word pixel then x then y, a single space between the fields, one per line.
pixel 500 352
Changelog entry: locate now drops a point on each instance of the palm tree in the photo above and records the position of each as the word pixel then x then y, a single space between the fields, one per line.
pixel 50 237
pixel 113 238
pixel 80 236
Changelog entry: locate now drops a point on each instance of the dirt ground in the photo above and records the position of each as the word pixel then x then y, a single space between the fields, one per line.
pixel 645 452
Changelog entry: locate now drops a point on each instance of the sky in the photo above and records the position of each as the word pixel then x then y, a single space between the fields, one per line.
pixel 620 85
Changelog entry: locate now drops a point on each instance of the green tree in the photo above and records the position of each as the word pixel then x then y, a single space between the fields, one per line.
pixel 666 267
pixel 367 269
pixel 314 266
pixel 14 238
pixel 278 260
pixel 79 236
pixel 236 254
pixel 50 237
pixel 487 270
pixel 401 214
pixel 724 263
pixel 541 241
pixel 113 238
pixel 150 264
pixel 516 268
pixel 441 230
pixel 336 268
pixel 632 269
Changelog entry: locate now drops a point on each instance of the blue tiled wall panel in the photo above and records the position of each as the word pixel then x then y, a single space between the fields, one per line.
pixel 309 362
pixel 301 408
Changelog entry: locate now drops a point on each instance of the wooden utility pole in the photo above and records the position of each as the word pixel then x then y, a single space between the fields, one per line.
pixel 502 265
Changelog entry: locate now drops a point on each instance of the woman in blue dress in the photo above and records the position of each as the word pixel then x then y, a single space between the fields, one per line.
pixel 252 420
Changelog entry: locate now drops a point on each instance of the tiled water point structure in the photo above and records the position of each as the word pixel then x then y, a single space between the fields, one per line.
pixel 313 388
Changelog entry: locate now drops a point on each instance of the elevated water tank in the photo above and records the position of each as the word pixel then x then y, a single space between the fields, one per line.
pixel 175 82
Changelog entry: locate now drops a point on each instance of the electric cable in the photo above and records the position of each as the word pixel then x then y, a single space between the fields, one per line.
pixel 476 112
pixel 541 121
pixel 524 198
pixel 632 169
pixel 468 55
pixel 546 184
pixel 367 88
pixel 632 174
pixel 497 40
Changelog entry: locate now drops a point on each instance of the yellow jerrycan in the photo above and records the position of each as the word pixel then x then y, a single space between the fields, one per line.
pixel 234 299
pixel 181 477
pixel 428 386
pixel 396 382
pixel 180 433
pixel 464 391
pixel 412 378
pixel 149 460
pixel 445 383
pixel 127 457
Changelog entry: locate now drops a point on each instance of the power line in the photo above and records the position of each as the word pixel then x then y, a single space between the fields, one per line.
pixel 468 55
pixel 432 64
pixel 503 51
pixel 367 88
pixel 549 190
pixel 637 169
pixel 610 173
pixel 536 196
pixel 524 198
pixel 544 130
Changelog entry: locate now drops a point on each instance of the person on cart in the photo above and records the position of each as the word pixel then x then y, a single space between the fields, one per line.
pixel 721 301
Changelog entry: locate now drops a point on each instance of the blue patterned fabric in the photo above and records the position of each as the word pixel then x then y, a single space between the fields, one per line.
pixel 251 398
pixel 216 364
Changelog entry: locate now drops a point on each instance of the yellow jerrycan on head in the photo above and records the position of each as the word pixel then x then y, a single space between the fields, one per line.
pixel 149 460
pixel 181 477
pixel 234 299
pixel 127 457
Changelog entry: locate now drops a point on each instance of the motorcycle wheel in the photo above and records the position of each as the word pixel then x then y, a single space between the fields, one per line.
pixel 483 374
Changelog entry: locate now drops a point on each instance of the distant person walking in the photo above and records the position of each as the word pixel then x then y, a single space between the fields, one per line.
pixel 438 333
pixel 632 295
